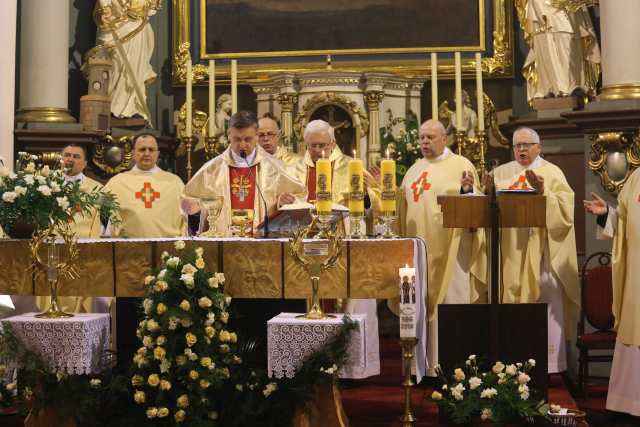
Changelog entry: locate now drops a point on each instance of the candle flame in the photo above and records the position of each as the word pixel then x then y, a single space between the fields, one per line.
pixel 354 154
pixel 406 266
pixel 387 153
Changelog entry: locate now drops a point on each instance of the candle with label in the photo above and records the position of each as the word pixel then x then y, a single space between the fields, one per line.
pixel 323 185
pixel 388 184
pixel 356 185
pixel 408 311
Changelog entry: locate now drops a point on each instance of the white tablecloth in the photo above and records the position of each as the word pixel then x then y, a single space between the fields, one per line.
pixel 75 345
pixel 290 341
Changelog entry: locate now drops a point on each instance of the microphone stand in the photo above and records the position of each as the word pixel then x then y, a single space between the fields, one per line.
pixel 243 154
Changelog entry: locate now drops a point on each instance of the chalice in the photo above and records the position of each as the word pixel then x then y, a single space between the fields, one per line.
pixel 213 206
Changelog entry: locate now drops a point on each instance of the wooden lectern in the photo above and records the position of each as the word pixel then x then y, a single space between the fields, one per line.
pixel 507 332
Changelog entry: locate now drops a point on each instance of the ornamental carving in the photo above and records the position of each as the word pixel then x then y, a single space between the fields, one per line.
pixel 113 155
pixel 614 157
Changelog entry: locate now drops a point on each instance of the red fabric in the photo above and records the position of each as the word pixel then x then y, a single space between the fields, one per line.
pixel 597 298
pixel 311 184
pixel 602 340
pixel 243 187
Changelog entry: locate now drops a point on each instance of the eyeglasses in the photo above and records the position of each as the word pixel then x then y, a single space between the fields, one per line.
pixel 269 135
pixel 524 145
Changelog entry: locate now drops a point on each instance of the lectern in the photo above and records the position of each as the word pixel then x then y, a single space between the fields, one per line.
pixel 507 332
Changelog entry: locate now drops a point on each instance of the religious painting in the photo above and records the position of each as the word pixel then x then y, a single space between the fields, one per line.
pixel 340 119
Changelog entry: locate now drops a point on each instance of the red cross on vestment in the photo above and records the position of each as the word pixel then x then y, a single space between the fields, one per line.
pixel 520 184
pixel 420 185
pixel 148 195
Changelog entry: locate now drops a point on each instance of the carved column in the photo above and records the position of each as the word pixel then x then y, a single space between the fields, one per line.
pixel 287 102
pixel 44 61
pixel 373 99
pixel 620 38
pixel 7 79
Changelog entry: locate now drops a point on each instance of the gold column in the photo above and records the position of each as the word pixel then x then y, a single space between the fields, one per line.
pixel 373 100
pixel 287 101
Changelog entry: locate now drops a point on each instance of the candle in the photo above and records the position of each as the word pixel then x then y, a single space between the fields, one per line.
pixel 479 92
pixel 408 302
pixel 189 88
pixel 434 86
pixel 212 97
pixel 356 185
pixel 234 86
pixel 323 185
pixel 388 184
pixel 459 106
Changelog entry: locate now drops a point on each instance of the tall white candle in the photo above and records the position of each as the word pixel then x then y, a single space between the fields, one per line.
pixel 408 295
pixel 479 92
pixel 234 86
pixel 459 106
pixel 212 97
pixel 189 97
pixel 434 86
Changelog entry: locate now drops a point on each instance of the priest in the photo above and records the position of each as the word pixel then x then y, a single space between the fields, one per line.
pixel 540 264
pixel 270 139
pixel 456 258
pixel 623 225
pixel 251 182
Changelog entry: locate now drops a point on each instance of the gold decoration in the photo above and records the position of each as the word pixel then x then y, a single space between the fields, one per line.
pixel 373 99
pixel 572 6
pixel 501 63
pixel 199 122
pixel 621 91
pixel 614 156
pixel 408 345
pixel 112 155
pixel 287 101
pixel 44 114
pixel 180 59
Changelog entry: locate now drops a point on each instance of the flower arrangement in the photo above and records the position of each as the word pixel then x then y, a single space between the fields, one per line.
pixel 502 394
pixel 40 196
pixel 404 148
pixel 187 348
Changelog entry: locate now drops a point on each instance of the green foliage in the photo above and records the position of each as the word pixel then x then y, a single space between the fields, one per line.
pixel 405 148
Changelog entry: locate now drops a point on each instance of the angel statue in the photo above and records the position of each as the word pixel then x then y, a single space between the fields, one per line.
pixel 124 31
pixel 469 118
pixel 564 55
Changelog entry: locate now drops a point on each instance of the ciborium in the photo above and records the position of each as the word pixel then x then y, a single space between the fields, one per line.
pixel 315 256
pixel 213 206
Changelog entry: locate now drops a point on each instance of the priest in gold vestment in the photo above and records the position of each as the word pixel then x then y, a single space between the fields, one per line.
pixel 540 264
pixel 269 138
pixel 623 225
pixel 241 174
pixel 456 258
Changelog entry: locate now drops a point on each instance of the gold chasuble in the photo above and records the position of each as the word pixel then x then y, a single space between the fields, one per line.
pixel 149 203
pixel 286 156
pixel 304 170
pixel 222 176
pixel 523 249
pixel 421 216
pixel 87 225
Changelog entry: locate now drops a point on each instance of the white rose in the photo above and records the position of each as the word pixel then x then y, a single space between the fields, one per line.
pixel 9 196
pixel 459 374
pixel 199 252
pixel 189 269
pixel 474 383
pixel 164 256
pixel 523 378
pixel 179 245
pixel 227 299
pixel 488 393
pixel 486 414
pixel 55 187
pixel 45 190
pixel 220 277
pixel 63 202
pixel 213 282
pixel 224 317
pixel 20 190
pixel 173 262
pixel 41 179
pixel 162 273
pixel 211 318
pixel 148 280
pixel 4 171
pixel 472 357
pixel 205 302
pixel 45 171
pixel 28 179
pixel 147 341
pixel 498 367
pixel 95 382
pixel 31 168
pixel 188 281
pixel 511 370
pixel 532 362
pixel 269 388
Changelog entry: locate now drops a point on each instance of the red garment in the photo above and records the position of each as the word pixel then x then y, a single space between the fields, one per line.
pixel 243 187
pixel 311 184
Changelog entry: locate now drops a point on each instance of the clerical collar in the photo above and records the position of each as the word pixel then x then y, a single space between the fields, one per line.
pixel 74 178
pixel 244 163
pixel 445 153
pixel 154 169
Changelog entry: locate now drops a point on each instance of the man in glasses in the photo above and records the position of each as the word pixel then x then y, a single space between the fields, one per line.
pixel 269 135
pixel 540 264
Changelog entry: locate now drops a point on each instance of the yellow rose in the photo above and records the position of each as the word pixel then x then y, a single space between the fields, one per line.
pixel 206 362
pixel 161 340
pixel 436 395
pixel 224 336
pixel 159 353
pixel 180 416
pixel 165 385
pixel 204 384
pixel 224 348
pixel 194 375
pixel 152 412
pixel 184 305
pixel 153 380
pixel 191 339
pixel 200 263
pixel 210 331
pixel 233 337
pixel 137 380
pixel 181 360
pixel 163 412
pixel 183 401
pixel 139 396
pixel 161 309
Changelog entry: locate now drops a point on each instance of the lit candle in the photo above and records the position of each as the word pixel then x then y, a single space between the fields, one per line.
pixel 356 185
pixel 189 88
pixel 388 184
pixel 234 86
pixel 479 92
pixel 459 106
pixel 323 185
pixel 408 297
pixel 212 97
pixel 434 86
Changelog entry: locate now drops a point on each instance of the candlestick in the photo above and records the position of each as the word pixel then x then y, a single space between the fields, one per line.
pixel 459 106
pixel 434 86
pixel 323 186
pixel 479 92
pixel 189 96
pixel 234 86
pixel 212 98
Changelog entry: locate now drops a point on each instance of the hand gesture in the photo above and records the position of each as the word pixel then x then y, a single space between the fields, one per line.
pixel 536 181
pixel 487 183
pixel 596 206
pixel 285 199
pixel 467 182
pixel 375 172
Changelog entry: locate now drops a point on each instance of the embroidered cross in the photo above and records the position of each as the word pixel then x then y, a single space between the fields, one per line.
pixel 148 195
pixel 240 187
pixel 420 185
pixel 520 184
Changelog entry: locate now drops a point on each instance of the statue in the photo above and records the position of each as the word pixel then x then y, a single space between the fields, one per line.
pixel 469 118
pixel 564 55
pixel 124 31
pixel 223 114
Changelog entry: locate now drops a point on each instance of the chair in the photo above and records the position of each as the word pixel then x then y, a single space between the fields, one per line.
pixel 597 302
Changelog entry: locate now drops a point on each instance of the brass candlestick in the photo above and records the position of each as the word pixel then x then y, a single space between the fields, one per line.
pixel 460 138
pixel 481 140
pixel 408 346
pixel 188 145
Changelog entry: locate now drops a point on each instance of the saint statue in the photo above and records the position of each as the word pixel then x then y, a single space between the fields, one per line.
pixel 223 114
pixel 124 30
pixel 564 54
pixel 469 118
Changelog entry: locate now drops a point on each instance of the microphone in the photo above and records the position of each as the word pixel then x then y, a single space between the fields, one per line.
pixel 243 154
